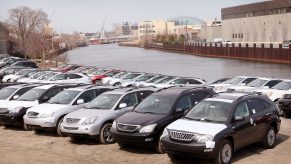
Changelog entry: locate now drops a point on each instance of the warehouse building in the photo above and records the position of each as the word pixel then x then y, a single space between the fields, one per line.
pixel 263 22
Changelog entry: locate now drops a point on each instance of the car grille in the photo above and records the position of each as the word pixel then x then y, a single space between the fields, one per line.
pixel 127 128
pixel 72 120
pixel 32 114
pixel 3 110
pixel 183 136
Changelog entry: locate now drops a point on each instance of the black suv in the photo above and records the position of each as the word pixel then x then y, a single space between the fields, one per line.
pixel 220 125
pixel 12 112
pixel 29 64
pixel 285 105
pixel 146 123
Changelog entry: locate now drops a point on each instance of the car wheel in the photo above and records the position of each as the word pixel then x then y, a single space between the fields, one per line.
pixel 270 138
pixel 225 153
pixel 105 136
pixel 174 157
pixel 58 128
pixel 117 84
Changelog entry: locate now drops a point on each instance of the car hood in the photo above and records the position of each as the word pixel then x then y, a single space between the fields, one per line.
pixel 88 113
pixel 135 118
pixel 197 127
pixel 15 103
pixel 47 108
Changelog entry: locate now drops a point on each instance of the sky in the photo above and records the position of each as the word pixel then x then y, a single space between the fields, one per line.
pixel 88 15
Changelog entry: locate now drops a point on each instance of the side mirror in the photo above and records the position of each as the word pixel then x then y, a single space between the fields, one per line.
pixel 239 118
pixel 80 101
pixel 122 105
pixel 243 84
pixel 266 87
pixel 179 111
pixel 15 97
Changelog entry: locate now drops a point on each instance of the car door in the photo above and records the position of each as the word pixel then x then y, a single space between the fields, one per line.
pixel 260 114
pixel 245 131
pixel 73 78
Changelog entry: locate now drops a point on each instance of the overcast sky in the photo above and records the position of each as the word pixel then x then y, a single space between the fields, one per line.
pixel 88 15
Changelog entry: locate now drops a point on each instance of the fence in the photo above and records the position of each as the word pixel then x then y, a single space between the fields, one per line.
pixel 255 52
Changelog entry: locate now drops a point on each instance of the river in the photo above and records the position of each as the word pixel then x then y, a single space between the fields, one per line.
pixel 153 61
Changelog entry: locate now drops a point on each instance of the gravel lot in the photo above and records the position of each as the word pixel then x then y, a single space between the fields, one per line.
pixel 18 146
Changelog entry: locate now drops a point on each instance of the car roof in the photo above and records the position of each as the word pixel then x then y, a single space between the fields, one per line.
pixel 128 90
pixel 233 95
pixel 87 87
pixel 177 90
pixel 18 86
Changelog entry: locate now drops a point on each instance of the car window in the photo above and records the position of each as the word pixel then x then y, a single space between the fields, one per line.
pixel 130 99
pixel 74 76
pixel 179 81
pixel 248 80
pixel 23 90
pixel 192 81
pixel 60 77
pixel 52 92
pixel 196 97
pixel 184 103
pixel 257 106
pixel 272 83
pixel 142 95
pixel 87 96
pixel 242 110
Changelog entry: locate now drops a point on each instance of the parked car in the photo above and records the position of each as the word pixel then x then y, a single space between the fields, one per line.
pixel 79 78
pixel 222 124
pixel 95 119
pixel 49 116
pixel 33 77
pixel 218 81
pixel 137 80
pixel 236 81
pixel 99 72
pixel 24 63
pixel 160 81
pixel 187 81
pixel 5 60
pixel 276 92
pixel 3 85
pixel 96 79
pixel 67 68
pixel 12 112
pixel 106 80
pixel 9 70
pixel 144 126
pixel 129 77
pixel 286 43
pixel 284 104
pixel 37 78
pixel 21 74
pixel 150 81
pixel 10 61
pixel 256 84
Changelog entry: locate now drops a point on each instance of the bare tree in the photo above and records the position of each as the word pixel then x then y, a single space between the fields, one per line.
pixel 24 21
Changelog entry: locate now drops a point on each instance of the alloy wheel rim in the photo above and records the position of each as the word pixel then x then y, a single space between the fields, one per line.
pixel 271 137
pixel 107 135
pixel 226 153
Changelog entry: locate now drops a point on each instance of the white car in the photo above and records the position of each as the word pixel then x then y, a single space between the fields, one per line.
pixel 278 91
pixel 149 81
pixel 106 80
pixel 14 77
pixel 32 77
pixel 133 82
pixel 181 81
pixel 159 81
pixel 237 81
pixel 127 78
pixel 49 116
pixel 78 78
pixel 256 84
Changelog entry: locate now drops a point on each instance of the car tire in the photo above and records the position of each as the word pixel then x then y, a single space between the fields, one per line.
pixel 174 157
pixel 225 153
pixel 269 141
pixel 58 128
pixel 105 136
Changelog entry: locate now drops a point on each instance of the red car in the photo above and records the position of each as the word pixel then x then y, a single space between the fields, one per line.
pixel 97 78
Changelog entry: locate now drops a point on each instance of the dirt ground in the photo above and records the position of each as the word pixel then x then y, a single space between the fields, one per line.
pixel 18 147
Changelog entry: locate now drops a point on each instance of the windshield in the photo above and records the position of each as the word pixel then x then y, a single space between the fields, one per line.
pixel 155 79
pixel 156 104
pixel 209 110
pixel 110 74
pixel 234 81
pixel 144 78
pixel 47 76
pixel 37 75
pixel 104 101
pixel 165 80
pixel 64 97
pixel 32 95
pixel 130 76
pixel 29 74
pixel 119 75
pixel 100 72
pixel 6 92
pixel 257 83
pixel 22 72
pixel 283 86
pixel 90 71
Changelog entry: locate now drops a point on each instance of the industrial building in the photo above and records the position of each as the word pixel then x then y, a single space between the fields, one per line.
pixel 263 22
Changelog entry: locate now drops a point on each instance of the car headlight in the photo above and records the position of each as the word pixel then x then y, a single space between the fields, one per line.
pixel 46 115
pixel 89 121
pixel 269 94
pixel 148 128
pixel 114 124
pixel 165 133
pixel 218 88
pixel 204 138
pixel 15 110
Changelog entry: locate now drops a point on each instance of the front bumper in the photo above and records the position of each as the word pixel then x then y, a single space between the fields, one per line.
pixel 11 118
pixel 77 130
pixel 143 139
pixel 188 149
pixel 48 122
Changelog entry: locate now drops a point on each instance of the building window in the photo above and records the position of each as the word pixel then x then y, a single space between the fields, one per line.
pixel 279 22
pixel 235 35
pixel 232 35
pixel 242 35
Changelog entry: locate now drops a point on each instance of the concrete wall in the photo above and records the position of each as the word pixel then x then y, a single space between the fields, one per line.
pixel 209 33
pixel 265 29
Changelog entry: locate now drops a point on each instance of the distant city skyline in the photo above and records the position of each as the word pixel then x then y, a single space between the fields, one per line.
pixel 87 16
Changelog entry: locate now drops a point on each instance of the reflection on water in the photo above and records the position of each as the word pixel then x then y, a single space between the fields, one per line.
pixel 138 59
